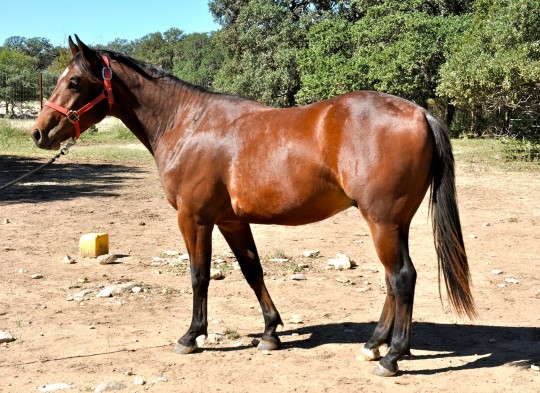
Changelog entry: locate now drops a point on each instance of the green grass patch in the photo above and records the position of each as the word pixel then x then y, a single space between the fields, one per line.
pixel 483 154
pixel 109 141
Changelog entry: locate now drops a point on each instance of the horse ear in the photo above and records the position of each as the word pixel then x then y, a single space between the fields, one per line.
pixel 72 46
pixel 89 55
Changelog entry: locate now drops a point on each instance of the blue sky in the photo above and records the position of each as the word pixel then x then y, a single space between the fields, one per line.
pixel 99 21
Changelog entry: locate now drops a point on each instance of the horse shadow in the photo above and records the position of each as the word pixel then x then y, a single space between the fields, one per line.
pixel 60 181
pixel 490 346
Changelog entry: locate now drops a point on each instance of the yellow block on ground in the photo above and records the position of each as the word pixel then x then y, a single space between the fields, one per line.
pixel 94 244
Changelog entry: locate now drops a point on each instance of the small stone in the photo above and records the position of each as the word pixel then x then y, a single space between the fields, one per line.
pixel 492 341
pixel 511 280
pixel 37 276
pixel 486 224
pixel 298 277
pixel 236 265
pixel 496 271
pixel 343 280
pixel 109 386
pixel 6 221
pixel 106 259
pixel 5 337
pixel 139 381
pixel 341 262
pixel 279 260
pixel 156 272
pixel 216 274
pixel 215 338
pixel 535 368
pixel 136 289
pixel 296 319
pixel 54 387
pixel 171 253
pixel 472 236
pixel 311 253
pixel 67 260
pixel 218 261
pixel 82 294
pixel 184 257
pixel 159 379
pixel 7 248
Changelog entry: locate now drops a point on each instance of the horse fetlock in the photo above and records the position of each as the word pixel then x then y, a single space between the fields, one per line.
pixel 382 371
pixel 268 342
pixel 366 354
pixel 184 349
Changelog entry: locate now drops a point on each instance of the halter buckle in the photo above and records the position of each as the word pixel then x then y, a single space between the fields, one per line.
pixel 72 116
pixel 106 73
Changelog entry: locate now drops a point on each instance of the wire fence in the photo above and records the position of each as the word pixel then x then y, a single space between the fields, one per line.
pixel 20 95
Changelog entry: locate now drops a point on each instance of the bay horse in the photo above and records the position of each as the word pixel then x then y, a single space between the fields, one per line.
pixel 227 161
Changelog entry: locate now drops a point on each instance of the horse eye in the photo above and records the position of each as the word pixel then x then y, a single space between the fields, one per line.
pixel 73 83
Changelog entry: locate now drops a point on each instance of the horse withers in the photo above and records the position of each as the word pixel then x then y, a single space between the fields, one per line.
pixel 227 161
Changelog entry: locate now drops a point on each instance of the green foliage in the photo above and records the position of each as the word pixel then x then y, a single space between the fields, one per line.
pixel 199 58
pixel 494 68
pixel 38 48
pixel 519 149
pixel 326 67
pixel 158 48
pixel 262 38
pixel 16 71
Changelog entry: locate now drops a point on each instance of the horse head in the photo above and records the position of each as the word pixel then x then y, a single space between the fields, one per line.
pixel 78 101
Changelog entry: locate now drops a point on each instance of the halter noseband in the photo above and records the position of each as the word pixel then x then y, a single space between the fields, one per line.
pixel 74 116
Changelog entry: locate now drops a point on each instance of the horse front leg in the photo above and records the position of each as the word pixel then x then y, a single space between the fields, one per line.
pixel 240 239
pixel 198 239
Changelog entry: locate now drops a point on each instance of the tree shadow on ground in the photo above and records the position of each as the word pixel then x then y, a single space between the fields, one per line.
pixel 60 181
pixel 491 346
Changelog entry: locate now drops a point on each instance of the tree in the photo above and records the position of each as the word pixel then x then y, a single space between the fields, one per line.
pixel 262 38
pixel 198 59
pixel 494 67
pixel 39 48
pixel 16 70
pixel 395 47
pixel 326 67
pixel 159 48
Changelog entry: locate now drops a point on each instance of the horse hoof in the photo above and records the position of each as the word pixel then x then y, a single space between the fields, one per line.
pixel 382 371
pixel 368 354
pixel 184 350
pixel 265 345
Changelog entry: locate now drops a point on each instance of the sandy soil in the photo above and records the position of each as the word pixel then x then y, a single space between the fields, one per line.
pixel 86 342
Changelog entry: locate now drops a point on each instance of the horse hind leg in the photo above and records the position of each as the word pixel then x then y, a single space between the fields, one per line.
pixel 394 326
pixel 240 239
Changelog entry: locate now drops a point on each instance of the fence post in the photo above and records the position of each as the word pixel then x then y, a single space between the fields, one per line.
pixel 41 90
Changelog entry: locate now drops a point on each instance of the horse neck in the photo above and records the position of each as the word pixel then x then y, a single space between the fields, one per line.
pixel 151 107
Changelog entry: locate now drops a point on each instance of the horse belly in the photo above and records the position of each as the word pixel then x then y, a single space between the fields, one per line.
pixel 285 207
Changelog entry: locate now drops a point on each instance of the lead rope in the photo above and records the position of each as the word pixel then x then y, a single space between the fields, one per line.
pixel 62 152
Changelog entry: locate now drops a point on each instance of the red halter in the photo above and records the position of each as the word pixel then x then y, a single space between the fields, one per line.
pixel 73 116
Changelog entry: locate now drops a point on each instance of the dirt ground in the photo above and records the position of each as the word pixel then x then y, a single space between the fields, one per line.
pixel 128 338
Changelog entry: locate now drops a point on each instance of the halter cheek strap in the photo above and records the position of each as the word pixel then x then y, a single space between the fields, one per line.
pixel 73 116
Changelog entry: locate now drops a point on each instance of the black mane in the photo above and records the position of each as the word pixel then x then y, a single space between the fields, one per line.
pixel 147 70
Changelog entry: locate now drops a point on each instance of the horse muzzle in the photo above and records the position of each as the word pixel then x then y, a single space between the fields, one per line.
pixel 43 141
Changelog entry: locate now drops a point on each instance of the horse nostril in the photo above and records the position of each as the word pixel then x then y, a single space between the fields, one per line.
pixel 36 135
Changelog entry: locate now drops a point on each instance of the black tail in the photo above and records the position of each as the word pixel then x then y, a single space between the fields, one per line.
pixel 446 224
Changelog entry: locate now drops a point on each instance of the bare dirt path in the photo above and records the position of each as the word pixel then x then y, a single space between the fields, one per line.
pixel 87 341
